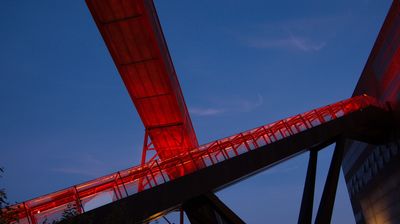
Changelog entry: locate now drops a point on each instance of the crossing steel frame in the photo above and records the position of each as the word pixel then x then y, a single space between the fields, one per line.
pixel 127 182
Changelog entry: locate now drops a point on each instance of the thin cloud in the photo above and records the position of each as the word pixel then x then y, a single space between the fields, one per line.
pixel 77 171
pixel 228 106
pixel 245 105
pixel 290 42
pixel 303 34
pixel 306 45
pixel 86 165
pixel 206 111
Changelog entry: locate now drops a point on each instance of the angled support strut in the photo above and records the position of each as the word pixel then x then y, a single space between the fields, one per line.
pixel 307 202
pixel 325 209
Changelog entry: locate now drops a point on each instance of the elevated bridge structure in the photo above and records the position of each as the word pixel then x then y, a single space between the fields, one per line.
pixel 217 165
pixel 177 172
pixel 133 35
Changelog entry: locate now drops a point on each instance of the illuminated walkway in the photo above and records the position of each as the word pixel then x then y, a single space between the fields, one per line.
pixel 218 164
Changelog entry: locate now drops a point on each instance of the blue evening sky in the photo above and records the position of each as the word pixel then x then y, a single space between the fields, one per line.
pixel 66 117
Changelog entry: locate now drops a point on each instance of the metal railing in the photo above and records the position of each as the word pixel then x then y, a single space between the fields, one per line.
pixel 92 194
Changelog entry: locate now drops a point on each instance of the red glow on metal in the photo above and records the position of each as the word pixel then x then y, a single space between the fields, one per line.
pixel 381 75
pixel 127 182
pixel 133 35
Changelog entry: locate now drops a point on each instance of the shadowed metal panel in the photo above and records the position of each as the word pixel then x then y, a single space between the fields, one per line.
pixel 369 169
pixel 381 75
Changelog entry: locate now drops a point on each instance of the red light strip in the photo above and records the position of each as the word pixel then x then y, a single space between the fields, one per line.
pixel 126 182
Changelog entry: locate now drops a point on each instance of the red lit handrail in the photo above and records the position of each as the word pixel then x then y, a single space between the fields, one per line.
pixel 126 182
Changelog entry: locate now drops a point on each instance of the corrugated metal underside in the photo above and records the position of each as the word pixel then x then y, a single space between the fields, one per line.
pixel 132 33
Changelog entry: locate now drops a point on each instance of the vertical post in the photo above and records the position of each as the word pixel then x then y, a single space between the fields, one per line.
pixel 122 182
pixel 146 145
pixel 305 122
pixel 148 181
pixel 287 127
pixel 307 202
pixel 209 156
pixel 145 148
pixel 143 160
pixel 183 167
pixel 78 201
pixel 152 175
pixel 245 143
pixel 181 218
pixel 28 214
pixel 117 187
pixel 325 209
pixel 159 168
pixel 222 150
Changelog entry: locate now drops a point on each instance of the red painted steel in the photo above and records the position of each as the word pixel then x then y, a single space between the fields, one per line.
pixel 381 75
pixel 133 35
pixel 121 184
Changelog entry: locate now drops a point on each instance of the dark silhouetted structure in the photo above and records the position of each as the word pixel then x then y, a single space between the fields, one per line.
pixel 181 174
pixel 372 172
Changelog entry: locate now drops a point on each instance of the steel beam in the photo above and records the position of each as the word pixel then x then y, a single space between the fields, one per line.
pixel 327 202
pixel 159 200
pixel 307 202
pixel 208 208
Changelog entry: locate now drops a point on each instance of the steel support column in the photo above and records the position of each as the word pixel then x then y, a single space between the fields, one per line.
pixel 325 209
pixel 209 209
pixel 307 202
pixel 181 216
pixel 140 207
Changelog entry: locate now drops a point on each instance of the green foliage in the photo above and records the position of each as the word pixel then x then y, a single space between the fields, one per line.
pixel 7 213
pixel 70 212
pixel 67 215
pixel 47 222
